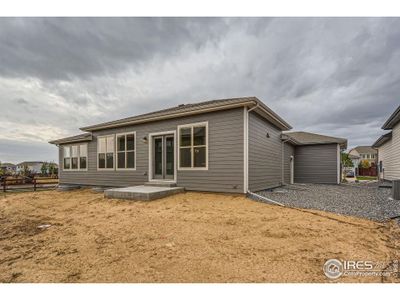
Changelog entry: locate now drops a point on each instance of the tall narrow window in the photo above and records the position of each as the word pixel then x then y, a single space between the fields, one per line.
pixel 74 157
pixel 67 157
pixel 105 152
pixel 126 151
pixel 83 156
pixel 193 146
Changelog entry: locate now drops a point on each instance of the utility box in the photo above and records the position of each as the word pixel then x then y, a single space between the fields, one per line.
pixel 396 189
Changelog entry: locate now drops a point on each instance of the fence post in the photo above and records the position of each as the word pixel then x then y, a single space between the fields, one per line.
pixel 34 184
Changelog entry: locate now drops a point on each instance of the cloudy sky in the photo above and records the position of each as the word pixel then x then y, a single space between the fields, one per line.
pixel 335 76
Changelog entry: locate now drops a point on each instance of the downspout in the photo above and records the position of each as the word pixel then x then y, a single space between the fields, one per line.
pixel 283 161
pixel 246 146
pixel 288 139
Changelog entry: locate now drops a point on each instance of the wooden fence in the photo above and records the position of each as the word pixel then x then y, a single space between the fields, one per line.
pixel 27 183
pixel 371 171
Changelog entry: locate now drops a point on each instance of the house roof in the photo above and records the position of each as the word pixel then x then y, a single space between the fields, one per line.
pixel 29 163
pixel 352 156
pixel 72 139
pixel 365 150
pixel 393 120
pixel 382 139
pixel 308 138
pixel 197 108
pixel 7 165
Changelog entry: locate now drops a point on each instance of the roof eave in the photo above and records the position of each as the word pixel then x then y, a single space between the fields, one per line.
pixel 341 141
pixel 275 119
pixel 65 141
pixel 393 120
pixel 382 140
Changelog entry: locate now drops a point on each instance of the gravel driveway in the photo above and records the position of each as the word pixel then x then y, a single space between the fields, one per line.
pixel 361 200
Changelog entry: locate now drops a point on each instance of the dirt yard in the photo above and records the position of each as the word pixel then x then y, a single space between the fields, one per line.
pixel 190 237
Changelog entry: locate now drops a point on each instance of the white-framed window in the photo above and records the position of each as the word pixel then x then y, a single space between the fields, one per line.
pixel 83 156
pixel 105 152
pixel 126 151
pixel 75 157
pixel 67 157
pixel 193 146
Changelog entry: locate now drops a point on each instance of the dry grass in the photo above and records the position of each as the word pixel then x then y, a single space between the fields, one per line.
pixel 190 237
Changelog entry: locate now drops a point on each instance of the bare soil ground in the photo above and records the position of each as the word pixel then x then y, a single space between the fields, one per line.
pixel 190 237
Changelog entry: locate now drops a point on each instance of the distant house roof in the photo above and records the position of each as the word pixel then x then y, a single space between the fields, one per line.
pixel 308 138
pixel 393 120
pixel 72 139
pixel 5 165
pixel 382 139
pixel 197 108
pixel 352 156
pixel 365 150
pixel 29 163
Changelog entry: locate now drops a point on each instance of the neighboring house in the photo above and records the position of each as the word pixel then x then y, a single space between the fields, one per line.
pixel 33 166
pixel 365 153
pixel 355 159
pixel 314 157
pixel 388 146
pixel 230 145
pixel 8 168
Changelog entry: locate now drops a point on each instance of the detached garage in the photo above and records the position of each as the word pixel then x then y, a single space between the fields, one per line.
pixel 311 158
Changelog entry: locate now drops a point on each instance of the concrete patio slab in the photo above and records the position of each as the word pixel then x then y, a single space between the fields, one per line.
pixel 142 192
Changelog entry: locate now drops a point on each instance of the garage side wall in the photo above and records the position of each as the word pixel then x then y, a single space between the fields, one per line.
pixel 265 154
pixel 316 164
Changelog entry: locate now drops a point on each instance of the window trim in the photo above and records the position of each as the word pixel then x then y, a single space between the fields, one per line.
pixel 192 125
pixel 97 153
pixel 116 151
pixel 79 156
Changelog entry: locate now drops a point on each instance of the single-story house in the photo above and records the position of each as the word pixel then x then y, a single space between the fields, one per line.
pixel 33 166
pixel 8 167
pixel 388 146
pixel 230 145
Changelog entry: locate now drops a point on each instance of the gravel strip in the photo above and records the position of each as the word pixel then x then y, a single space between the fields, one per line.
pixel 361 200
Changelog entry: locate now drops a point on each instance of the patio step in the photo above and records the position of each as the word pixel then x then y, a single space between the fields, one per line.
pixel 161 183
pixel 142 192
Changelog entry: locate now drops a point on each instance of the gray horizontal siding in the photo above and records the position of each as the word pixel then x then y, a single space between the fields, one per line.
pixel 389 154
pixel 225 162
pixel 288 151
pixel 315 164
pixel 265 154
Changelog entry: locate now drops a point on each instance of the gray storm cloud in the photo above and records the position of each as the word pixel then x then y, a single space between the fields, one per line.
pixel 335 76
